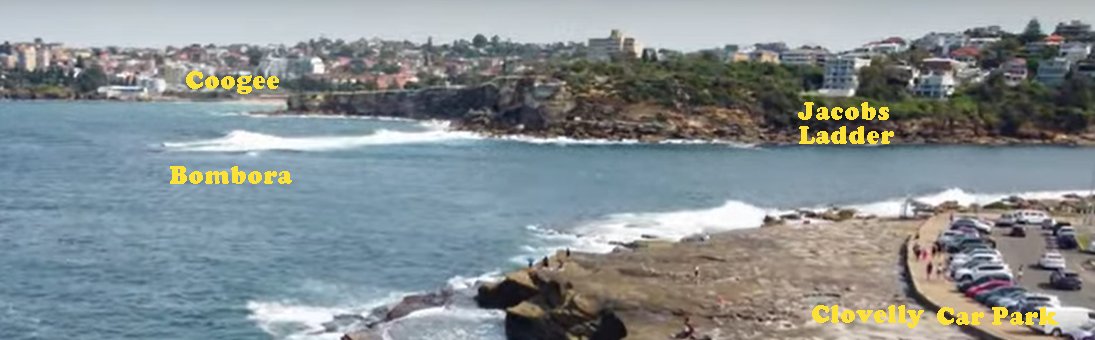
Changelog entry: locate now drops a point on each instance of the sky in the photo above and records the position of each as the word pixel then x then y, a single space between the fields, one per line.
pixel 676 24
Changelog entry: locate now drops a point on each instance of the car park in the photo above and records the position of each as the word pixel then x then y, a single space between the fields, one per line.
pixel 1065 280
pixel 1052 260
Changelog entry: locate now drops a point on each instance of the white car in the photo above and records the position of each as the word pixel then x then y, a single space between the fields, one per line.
pixel 1086 331
pixel 959 261
pixel 981 271
pixel 1006 220
pixel 1048 299
pixel 1066 231
pixel 1052 260
pixel 1036 217
pixel 972 223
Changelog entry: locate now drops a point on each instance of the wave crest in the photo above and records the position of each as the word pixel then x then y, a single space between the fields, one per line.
pixel 247 141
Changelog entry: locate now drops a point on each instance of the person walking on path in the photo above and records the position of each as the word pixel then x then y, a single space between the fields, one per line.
pixel 930 270
pixel 1019 275
pixel 916 250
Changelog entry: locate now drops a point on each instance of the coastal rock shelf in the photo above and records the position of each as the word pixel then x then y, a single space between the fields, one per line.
pixel 752 284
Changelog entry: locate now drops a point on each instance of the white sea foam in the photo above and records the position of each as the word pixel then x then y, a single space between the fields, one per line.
pixel 892 207
pixel 564 141
pixel 601 235
pixel 245 141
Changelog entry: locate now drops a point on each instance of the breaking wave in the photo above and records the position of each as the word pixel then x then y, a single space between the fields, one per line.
pixel 564 141
pixel 246 141
pixel 604 234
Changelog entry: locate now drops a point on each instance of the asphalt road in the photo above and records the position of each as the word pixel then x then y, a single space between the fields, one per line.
pixel 1027 250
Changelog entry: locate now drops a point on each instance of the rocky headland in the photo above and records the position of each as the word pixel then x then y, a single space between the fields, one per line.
pixel 543 107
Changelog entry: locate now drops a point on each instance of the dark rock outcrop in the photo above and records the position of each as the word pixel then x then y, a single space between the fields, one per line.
pixel 539 307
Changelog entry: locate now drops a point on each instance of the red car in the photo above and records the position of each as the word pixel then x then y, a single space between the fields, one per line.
pixel 987 286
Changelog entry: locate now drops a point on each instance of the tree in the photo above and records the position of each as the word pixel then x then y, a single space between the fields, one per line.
pixel 479 41
pixel 90 80
pixel 1033 32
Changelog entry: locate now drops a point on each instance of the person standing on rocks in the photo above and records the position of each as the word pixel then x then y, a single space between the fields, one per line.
pixel 696 273
pixel 530 261
pixel 544 263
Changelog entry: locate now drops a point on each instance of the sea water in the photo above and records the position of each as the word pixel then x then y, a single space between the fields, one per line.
pixel 94 243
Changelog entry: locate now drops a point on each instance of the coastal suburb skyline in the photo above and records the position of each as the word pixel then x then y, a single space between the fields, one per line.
pixel 680 24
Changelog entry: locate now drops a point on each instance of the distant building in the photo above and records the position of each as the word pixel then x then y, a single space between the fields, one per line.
pixel 615 46
pixel 982 42
pixel 8 61
pixel 28 58
pixel 272 66
pixel 1086 69
pixel 764 56
pixel 43 59
pixel 887 46
pixel 123 92
pixel 841 77
pixel 1075 51
pixel 1052 72
pixel 939 65
pixel 985 32
pixel 804 57
pixel 1014 71
pixel 936 84
pixel 1073 29
pixel 941 42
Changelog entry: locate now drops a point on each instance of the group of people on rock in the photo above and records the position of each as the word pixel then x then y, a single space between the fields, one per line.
pixel 546 262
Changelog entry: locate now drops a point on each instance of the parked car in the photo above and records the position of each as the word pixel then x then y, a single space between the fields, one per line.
pixel 970 252
pixel 1064 230
pixel 998 299
pixel 1006 220
pixel 988 286
pixel 985 296
pixel 1067 242
pixel 1056 226
pixel 1018 231
pixel 953 271
pixel 1033 217
pixel 1052 260
pixel 1065 280
pixel 1048 299
pixel 972 223
pixel 959 262
pixel 1068 319
pixel 963 286
pixel 982 270
pixel 967 242
pixel 1084 332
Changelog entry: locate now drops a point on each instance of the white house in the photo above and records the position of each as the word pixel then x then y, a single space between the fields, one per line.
pixel 935 84
pixel 842 75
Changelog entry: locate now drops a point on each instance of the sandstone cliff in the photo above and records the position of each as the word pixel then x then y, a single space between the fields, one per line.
pixel 542 107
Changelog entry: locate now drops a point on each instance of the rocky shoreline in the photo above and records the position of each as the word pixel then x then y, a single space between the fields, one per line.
pixel 751 284
pixel 542 108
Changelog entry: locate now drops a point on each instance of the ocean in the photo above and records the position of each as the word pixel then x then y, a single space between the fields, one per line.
pixel 95 244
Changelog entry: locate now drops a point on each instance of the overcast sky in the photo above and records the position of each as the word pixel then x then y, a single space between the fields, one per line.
pixel 678 24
